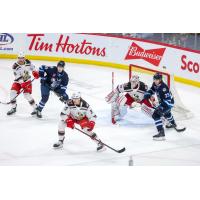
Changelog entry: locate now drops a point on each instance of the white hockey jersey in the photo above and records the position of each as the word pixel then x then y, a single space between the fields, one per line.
pixel 22 72
pixel 78 112
pixel 135 92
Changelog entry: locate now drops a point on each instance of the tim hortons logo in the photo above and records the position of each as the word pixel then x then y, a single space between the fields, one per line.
pixel 153 56
pixel 64 44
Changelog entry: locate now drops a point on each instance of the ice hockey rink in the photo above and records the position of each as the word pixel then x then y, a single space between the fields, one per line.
pixel 25 140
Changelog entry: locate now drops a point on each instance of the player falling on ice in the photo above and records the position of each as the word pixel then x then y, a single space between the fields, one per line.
pixel 22 69
pixel 77 111
pixel 52 79
pixel 127 95
pixel 164 107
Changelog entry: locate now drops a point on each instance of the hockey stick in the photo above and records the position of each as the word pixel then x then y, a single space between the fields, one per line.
pixel 7 103
pixel 178 129
pixel 117 151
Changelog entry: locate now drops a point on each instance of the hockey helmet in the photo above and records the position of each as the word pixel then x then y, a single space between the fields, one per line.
pixel 157 76
pixel 135 79
pixel 76 95
pixel 61 63
pixel 21 54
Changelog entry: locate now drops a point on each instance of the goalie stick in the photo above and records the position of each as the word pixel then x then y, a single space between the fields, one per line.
pixel 7 103
pixel 117 151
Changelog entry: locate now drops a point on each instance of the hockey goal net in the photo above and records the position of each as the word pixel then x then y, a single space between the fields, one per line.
pixel 146 75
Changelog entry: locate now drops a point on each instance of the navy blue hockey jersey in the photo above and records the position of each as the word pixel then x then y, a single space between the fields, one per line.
pixel 55 80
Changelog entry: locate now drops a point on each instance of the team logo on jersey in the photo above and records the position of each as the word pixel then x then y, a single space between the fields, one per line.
pixel 153 56
pixel 164 89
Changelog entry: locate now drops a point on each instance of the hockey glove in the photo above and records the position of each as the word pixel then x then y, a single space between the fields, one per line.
pixel 147 95
pixel 91 125
pixel 24 84
pixel 36 74
pixel 64 98
pixel 70 123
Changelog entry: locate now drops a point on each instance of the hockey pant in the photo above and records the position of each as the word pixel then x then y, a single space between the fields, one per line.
pixel 15 90
pixel 45 92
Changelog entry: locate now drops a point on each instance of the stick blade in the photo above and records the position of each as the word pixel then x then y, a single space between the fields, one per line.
pixel 180 129
pixel 122 150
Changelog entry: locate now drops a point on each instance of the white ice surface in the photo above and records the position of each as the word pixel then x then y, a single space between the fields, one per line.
pixel 25 140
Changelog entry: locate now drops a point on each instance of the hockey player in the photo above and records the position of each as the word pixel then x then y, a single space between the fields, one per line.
pixel 77 111
pixel 166 103
pixel 52 79
pixel 21 70
pixel 127 95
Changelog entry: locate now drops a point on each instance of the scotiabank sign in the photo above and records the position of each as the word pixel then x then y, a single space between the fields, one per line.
pixel 190 65
pixel 64 45
pixel 153 56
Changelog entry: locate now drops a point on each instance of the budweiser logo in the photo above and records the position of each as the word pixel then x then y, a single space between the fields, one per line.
pixel 152 56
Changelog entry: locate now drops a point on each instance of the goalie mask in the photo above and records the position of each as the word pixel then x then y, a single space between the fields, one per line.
pixel 135 80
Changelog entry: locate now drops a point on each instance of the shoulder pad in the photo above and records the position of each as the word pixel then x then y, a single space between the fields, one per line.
pixel 28 62
pixel 15 65
pixel 84 103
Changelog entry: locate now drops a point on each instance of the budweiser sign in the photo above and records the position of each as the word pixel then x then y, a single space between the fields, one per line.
pixel 152 56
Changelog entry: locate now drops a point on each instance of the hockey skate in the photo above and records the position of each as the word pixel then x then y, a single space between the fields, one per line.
pixel 100 147
pixel 12 111
pixel 58 145
pixel 34 111
pixel 160 136
pixel 38 113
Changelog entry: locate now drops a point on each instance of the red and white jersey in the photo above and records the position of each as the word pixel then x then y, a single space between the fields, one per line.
pixel 78 112
pixel 22 72
pixel 136 92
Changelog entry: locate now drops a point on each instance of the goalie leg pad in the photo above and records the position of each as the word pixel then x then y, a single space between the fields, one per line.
pixel 121 100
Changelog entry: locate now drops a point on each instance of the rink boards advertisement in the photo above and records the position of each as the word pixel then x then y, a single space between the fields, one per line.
pixel 105 51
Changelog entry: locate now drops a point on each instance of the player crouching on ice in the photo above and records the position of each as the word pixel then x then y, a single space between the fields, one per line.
pixel 165 105
pixel 127 95
pixel 22 69
pixel 52 79
pixel 77 111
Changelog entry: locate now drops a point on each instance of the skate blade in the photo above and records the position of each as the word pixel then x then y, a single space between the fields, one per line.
pixel 159 139
pixel 57 148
